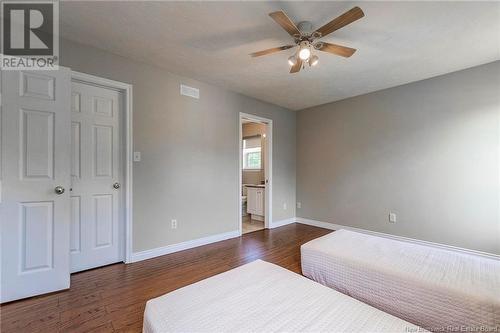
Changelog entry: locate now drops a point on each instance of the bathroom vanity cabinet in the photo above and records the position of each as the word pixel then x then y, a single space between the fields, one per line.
pixel 255 201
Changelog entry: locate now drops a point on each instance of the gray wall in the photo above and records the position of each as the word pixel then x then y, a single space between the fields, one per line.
pixel 190 157
pixel 428 151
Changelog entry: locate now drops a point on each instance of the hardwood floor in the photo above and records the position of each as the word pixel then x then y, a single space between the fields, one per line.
pixel 112 298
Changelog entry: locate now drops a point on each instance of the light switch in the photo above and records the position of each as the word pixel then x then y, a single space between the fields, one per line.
pixel 137 156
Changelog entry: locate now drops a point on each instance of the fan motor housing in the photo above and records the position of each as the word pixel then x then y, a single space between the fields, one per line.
pixel 305 27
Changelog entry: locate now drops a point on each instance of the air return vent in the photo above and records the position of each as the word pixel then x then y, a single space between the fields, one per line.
pixel 190 91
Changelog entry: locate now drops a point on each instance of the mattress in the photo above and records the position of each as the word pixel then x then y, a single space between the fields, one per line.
pixel 263 297
pixel 437 289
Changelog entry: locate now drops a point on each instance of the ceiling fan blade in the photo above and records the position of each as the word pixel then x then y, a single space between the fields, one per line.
pixel 340 50
pixel 271 50
pixel 285 22
pixel 348 17
pixel 296 68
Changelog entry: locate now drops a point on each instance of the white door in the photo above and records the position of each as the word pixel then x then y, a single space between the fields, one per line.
pixel 96 167
pixel 36 150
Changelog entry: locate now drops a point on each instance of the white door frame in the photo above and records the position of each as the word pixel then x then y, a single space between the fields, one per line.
pixel 126 90
pixel 268 168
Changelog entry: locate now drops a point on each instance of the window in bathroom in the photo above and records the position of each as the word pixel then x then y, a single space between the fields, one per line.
pixel 252 157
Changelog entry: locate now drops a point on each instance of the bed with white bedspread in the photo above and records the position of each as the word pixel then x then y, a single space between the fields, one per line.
pixel 263 297
pixel 437 289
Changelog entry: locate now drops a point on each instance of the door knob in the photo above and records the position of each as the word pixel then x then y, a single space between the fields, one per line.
pixel 59 190
pixel 116 186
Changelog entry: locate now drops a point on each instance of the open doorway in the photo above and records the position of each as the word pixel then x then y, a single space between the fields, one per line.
pixel 255 173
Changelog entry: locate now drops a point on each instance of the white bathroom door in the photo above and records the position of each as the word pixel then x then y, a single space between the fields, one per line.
pixel 96 177
pixel 35 205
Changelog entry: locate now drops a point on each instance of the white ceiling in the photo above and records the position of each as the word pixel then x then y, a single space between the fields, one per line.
pixel 397 42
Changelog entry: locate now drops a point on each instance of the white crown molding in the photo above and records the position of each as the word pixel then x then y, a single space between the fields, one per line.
pixel 160 251
pixel 333 226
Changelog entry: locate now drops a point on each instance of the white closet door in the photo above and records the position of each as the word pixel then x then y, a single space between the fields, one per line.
pixel 95 170
pixel 36 150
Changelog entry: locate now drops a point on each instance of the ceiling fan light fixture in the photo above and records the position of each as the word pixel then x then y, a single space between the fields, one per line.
pixel 314 60
pixel 304 39
pixel 304 54
pixel 305 50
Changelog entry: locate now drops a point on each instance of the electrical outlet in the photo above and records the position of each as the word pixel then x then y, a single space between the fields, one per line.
pixel 284 206
pixel 137 156
pixel 392 217
pixel 174 224
pixel 299 204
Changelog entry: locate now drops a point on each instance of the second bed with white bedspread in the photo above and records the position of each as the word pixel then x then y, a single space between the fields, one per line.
pixel 437 289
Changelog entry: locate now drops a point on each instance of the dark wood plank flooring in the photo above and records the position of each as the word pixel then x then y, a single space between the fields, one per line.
pixel 112 298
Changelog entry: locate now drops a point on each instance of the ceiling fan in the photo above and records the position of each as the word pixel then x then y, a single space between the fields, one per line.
pixel 306 39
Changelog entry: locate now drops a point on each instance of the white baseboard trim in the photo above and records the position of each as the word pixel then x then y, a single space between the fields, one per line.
pixel 281 223
pixel 160 251
pixel 334 226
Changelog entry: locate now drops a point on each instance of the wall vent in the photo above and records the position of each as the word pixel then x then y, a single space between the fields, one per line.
pixel 190 91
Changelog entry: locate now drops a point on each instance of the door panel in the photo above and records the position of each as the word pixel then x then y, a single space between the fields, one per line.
pixel 35 159
pixel 75 227
pixel 103 218
pixel 37 238
pixel 96 167
pixel 103 151
pixel 75 150
pixel 37 85
pixel 102 106
pixel 259 208
pixel 37 144
pixel 250 201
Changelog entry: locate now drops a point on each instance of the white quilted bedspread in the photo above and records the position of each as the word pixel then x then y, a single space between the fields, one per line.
pixel 437 289
pixel 263 297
